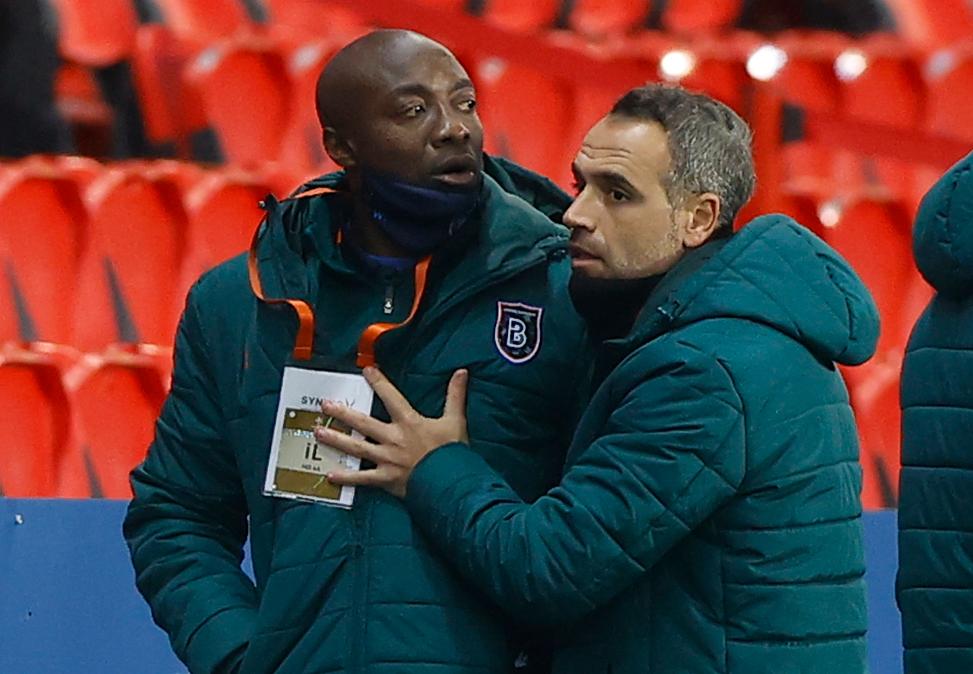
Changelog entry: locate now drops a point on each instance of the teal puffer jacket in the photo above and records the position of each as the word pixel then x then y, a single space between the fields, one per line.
pixel 935 580
pixel 354 591
pixel 709 517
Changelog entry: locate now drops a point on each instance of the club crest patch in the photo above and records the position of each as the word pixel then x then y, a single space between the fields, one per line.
pixel 518 331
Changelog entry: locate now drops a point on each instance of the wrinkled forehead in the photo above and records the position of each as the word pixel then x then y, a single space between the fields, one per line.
pixel 410 66
pixel 632 147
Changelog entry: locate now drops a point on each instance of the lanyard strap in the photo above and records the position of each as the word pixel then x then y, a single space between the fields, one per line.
pixel 304 343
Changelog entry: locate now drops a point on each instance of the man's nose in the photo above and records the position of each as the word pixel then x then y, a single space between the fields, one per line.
pixel 578 215
pixel 452 128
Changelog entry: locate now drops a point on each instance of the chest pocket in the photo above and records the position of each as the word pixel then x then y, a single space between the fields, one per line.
pixel 520 433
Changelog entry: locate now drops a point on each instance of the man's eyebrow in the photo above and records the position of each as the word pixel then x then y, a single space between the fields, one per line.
pixel 410 88
pixel 613 178
pixel 421 89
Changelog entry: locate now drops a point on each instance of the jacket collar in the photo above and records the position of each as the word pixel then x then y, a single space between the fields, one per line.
pixel 298 241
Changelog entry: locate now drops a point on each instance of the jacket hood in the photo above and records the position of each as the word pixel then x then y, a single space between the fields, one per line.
pixel 775 272
pixel 943 235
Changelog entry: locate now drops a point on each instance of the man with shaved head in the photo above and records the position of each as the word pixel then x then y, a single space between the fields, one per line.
pixel 422 256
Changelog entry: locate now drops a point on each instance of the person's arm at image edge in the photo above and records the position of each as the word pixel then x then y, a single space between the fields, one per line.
pixel 187 523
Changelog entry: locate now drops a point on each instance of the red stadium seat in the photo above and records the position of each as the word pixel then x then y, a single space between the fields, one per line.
pixel 96 33
pixel 889 91
pixel 223 215
pixel 37 433
pixel 169 110
pixel 523 17
pixel 41 241
pixel 525 114
pixel 246 98
pixel 82 170
pixel 949 74
pixel 724 78
pixel 446 5
pixel 691 17
pixel 297 21
pixel 117 398
pixel 204 21
pixel 130 268
pixel 599 18
pixel 808 79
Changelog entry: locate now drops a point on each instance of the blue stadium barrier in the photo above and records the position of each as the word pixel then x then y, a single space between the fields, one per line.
pixel 68 603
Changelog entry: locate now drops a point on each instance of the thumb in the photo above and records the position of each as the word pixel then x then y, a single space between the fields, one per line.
pixel 456 395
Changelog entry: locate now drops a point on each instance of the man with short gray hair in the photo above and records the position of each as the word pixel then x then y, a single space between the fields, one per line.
pixel 708 519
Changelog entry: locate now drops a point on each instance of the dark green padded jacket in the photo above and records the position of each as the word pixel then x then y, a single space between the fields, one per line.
pixel 935 580
pixel 709 517
pixel 354 591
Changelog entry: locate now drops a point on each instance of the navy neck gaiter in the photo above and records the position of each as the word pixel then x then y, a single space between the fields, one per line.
pixel 415 217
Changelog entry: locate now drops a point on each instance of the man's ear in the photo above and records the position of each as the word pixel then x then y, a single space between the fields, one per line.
pixel 340 149
pixel 704 219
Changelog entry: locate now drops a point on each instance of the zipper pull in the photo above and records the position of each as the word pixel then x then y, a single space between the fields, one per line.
pixel 389 304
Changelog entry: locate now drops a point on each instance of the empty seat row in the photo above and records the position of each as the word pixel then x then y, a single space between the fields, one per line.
pixel 228 91
pixel 106 32
pixel 97 254
pixel 106 254
pixel 74 426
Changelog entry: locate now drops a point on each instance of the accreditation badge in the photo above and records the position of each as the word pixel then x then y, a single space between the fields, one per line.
pixel 298 462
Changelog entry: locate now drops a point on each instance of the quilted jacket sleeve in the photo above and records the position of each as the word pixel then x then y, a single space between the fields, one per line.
pixel 188 521
pixel 668 455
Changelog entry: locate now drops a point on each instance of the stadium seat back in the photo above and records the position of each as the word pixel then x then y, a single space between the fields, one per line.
pixel 130 270
pixel 245 93
pixel 204 21
pixel 223 215
pixel 117 404
pixel 599 18
pixel 523 17
pixel 525 114
pixel 35 429
pixel 300 21
pixel 890 92
pixel 949 111
pixel 691 17
pixel 96 33
pixel 41 242
pixel 169 109
pixel 725 79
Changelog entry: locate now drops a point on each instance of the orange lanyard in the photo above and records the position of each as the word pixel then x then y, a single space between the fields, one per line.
pixel 303 345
